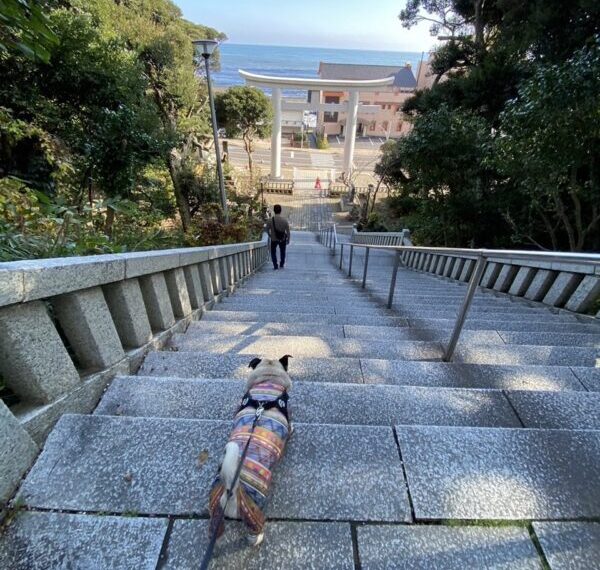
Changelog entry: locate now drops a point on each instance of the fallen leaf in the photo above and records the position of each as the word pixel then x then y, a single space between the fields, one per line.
pixel 203 457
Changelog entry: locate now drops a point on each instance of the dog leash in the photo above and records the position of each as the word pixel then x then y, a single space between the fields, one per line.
pixel 213 539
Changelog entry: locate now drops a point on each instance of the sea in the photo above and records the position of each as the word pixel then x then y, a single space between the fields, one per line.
pixel 297 61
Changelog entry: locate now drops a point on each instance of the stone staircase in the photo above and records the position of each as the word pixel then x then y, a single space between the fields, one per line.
pixel 399 460
pixel 305 209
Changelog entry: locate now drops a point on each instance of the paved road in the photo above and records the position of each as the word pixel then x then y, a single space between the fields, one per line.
pixel 305 159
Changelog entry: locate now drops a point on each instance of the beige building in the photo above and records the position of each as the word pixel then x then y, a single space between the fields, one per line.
pixel 386 119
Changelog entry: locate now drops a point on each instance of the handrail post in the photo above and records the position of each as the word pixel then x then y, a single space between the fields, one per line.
pixel 350 262
pixel 364 281
pixel 462 315
pixel 393 283
pixel 341 254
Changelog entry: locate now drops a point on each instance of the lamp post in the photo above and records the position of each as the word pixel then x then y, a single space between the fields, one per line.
pixel 205 48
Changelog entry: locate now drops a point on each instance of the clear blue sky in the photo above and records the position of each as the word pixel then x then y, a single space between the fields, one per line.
pixel 351 24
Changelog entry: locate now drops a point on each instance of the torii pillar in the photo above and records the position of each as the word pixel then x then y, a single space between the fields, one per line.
pixel 276 84
pixel 276 134
pixel 350 132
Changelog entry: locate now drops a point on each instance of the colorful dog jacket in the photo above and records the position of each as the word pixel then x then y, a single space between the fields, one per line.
pixel 265 450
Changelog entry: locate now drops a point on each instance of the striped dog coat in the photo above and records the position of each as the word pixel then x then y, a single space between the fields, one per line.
pixel 264 451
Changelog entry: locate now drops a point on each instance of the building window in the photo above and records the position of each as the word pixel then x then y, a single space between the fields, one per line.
pixel 399 126
pixel 372 125
pixel 328 116
pixel 385 125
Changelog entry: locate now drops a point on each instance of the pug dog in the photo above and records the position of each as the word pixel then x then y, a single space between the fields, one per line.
pixel 262 426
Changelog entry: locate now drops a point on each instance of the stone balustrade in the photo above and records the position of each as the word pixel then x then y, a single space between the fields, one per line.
pixel 68 325
pixel 563 284
pixel 381 238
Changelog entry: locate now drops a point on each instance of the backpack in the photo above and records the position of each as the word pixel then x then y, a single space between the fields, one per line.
pixel 279 235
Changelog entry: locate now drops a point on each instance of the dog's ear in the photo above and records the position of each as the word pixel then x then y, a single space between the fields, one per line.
pixel 254 363
pixel 284 361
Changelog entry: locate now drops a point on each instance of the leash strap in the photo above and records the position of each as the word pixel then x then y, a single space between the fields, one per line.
pixel 213 539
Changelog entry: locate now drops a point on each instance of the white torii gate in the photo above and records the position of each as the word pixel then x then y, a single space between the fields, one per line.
pixel 276 84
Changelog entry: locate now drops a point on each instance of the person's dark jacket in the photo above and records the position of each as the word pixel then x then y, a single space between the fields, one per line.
pixel 279 223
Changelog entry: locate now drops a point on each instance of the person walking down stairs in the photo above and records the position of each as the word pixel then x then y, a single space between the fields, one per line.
pixel 279 232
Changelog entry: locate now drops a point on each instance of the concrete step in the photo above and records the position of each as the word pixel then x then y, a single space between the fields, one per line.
pixel 372 371
pixel 416 547
pixel 305 346
pixel 508 324
pixel 589 377
pixel 289 545
pixel 312 402
pixel 467 336
pixel 157 466
pixel 569 544
pixel 43 541
pixel 206 365
pixel 311 346
pixel 371 310
pixel 477 336
pixel 501 474
pixel 527 354
pixel 557 410
pixel 458 375
pixel 241 328
pixel 294 304
pixel 551 338
pixel 317 318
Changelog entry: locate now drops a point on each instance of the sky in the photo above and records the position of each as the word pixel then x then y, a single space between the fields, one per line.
pixel 347 24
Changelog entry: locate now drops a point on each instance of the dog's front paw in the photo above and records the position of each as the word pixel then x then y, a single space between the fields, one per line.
pixel 255 539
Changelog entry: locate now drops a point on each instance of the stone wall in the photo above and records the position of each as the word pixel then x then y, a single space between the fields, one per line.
pixel 69 325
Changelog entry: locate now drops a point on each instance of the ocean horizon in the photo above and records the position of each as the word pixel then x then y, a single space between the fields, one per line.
pixel 297 61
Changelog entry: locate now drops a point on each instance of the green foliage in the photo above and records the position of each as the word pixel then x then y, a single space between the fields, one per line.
pixel 103 137
pixel 322 142
pixel 505 145
pixel 550 146
pixel 25 28
pixel 246 112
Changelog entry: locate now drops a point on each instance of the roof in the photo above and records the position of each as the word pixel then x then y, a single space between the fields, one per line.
pixel 403 75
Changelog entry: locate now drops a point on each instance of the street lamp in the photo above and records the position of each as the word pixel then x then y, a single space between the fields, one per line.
pixel 205 48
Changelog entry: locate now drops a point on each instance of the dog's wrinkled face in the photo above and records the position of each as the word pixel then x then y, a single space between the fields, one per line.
pixel 265 369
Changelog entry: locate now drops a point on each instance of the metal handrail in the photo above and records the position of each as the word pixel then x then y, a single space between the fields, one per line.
pixel 537 256
pixel 480 255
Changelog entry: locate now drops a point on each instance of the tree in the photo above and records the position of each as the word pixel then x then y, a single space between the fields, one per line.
pixel 161 39
pixel 25 27
pixel 549 145
pixel 504 150
pixel 245 112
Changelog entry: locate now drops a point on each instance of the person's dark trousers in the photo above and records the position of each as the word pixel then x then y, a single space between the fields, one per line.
pixel 281 245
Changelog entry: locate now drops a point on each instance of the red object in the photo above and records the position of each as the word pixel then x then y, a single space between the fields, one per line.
pixel 318 184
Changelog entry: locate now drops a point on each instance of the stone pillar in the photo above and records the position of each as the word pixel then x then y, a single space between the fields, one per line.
pixel 276 134
pixel 194 287
pixel 180 299
pixel 126 305
pixel 206 281
pixel 350 131
pixel 18 451
pixel 33 360
pixel 88 324
pixel 157 301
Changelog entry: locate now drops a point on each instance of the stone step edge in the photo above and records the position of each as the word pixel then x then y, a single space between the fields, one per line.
pixel 100 417
pixel 402 342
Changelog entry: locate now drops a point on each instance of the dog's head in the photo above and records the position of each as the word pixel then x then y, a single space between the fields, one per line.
pixel 267 370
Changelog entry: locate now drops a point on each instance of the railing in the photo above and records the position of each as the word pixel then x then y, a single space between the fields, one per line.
pixel 327 235
pixel 68 325
pixel 381 238
pixel 277 186
pixel 572 278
